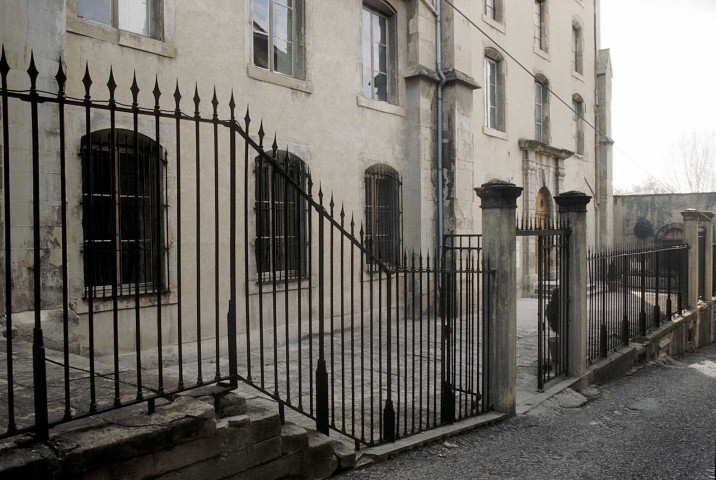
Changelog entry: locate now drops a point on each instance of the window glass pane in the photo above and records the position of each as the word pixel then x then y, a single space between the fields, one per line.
pixel 366 24
pixel 366 82
pixel 261 50
pixel 283 56
pixel 381 58
pixel 380 29
pixel 381 87
pixel 261 16
pixel 99 11
pixel 136 16
pixel 282 22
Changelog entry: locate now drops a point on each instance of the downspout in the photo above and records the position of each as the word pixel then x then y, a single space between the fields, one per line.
pixel 436 10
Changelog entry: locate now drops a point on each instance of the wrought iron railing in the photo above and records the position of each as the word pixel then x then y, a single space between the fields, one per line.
pixel 284 297
pixel 631 291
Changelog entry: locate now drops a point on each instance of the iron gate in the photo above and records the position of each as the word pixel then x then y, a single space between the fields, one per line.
pixel 552 271
pixel 262 283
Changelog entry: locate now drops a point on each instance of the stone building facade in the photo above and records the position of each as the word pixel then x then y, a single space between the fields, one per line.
pixel 351 85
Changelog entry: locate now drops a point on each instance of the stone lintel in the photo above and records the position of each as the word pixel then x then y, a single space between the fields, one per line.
pixel 498 194
pixel 454 76
pixel 572 201
pixel 420 71
pixel 709 215
pixel 539 147
pixel 691 214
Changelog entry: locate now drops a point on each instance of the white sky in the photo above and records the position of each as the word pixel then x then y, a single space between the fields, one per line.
pixel 664 61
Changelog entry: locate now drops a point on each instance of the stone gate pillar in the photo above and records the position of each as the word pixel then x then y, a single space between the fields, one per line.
pixel 709 255
pixel 691 236
pixel 573 208
pixel 499 228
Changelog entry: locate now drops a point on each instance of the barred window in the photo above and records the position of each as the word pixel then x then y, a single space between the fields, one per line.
pixel 278 36
pixel 382 211
pixel 122 231
pixel 282 237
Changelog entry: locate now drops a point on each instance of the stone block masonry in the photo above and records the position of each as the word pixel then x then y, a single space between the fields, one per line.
pixel 208 435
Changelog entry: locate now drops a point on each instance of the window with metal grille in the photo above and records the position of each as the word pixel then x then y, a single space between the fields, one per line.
pixel 122 181
pixel 382 212
pixel 282 236
pixel 278 36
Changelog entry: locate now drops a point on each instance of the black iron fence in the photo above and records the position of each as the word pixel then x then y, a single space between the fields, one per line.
pixel 631 291
pixel 551 266
pixel 198 267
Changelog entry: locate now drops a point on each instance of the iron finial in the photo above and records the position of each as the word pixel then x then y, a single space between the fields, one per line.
pixel 177 96
pixel 111 85
pixel 196 99
pixel 247 118
pixel 214 101
pixel 261 134
pixel 232 104
pixel 134 89
pixel 157 93
pixel 32 71
pixel 4 66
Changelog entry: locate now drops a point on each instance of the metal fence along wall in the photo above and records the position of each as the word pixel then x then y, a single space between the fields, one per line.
pixel 631 291
pixel 206 259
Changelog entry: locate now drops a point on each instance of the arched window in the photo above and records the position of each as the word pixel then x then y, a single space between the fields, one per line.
pixel 577 48
pixel 494 90
pixel 382 213
pixel 541 109
pixel 379 51
pixel 123 201
pixel 281 218
pixel 577 124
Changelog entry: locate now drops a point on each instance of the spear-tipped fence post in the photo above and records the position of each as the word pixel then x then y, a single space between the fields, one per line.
pixel 322 424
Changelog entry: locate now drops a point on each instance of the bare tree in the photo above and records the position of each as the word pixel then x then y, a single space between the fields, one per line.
pixel 694 167
pixel 649 185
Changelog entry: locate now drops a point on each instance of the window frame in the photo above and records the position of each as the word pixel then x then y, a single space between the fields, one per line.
pixel 379 9
pixel 155 19
pixel 152 153
pixel 578 124
pixel 373 175
pixel 493 10
pixel 577 49
pixel 541 86
pixel 496 62
pixel 297 169
pixel 540 27
pixel 297 39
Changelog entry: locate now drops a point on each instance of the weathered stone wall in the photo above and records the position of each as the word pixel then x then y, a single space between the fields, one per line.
pixel 213 437
pixel 660 211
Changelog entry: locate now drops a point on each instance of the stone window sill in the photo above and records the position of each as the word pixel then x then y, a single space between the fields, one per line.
pixel 541 53
pixel 578 76
pixel 110 34
pixel 263 75
pixel 499 26
pixel 492 132
pixel 380 106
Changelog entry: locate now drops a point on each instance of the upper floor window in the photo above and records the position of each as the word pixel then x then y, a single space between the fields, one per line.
pixel 540 25
pixel 541 110
pixel 138 16
pixel 278 36
pixel 494 91
pixel 123 202
pixel 378 47
pixel 282 239
pixel 577 49
pixel 382 212
pixel 493 10
pixel 577 124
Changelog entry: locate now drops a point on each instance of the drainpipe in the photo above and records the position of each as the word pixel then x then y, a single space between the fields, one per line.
pixel 439 66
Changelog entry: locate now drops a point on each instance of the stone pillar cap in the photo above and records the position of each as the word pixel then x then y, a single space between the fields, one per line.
pixel 498 194
pixel 572 201
pixel 709 215
pixel 691 214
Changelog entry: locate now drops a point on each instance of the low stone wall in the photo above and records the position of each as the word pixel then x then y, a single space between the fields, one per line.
pixel 695 328
pixel 210 435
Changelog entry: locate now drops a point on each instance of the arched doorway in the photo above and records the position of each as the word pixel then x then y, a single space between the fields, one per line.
pixel 543 214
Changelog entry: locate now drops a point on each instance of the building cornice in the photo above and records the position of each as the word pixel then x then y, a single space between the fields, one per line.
pixel 539 147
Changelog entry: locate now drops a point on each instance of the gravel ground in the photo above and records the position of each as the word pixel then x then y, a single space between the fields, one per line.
pixel 659 422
